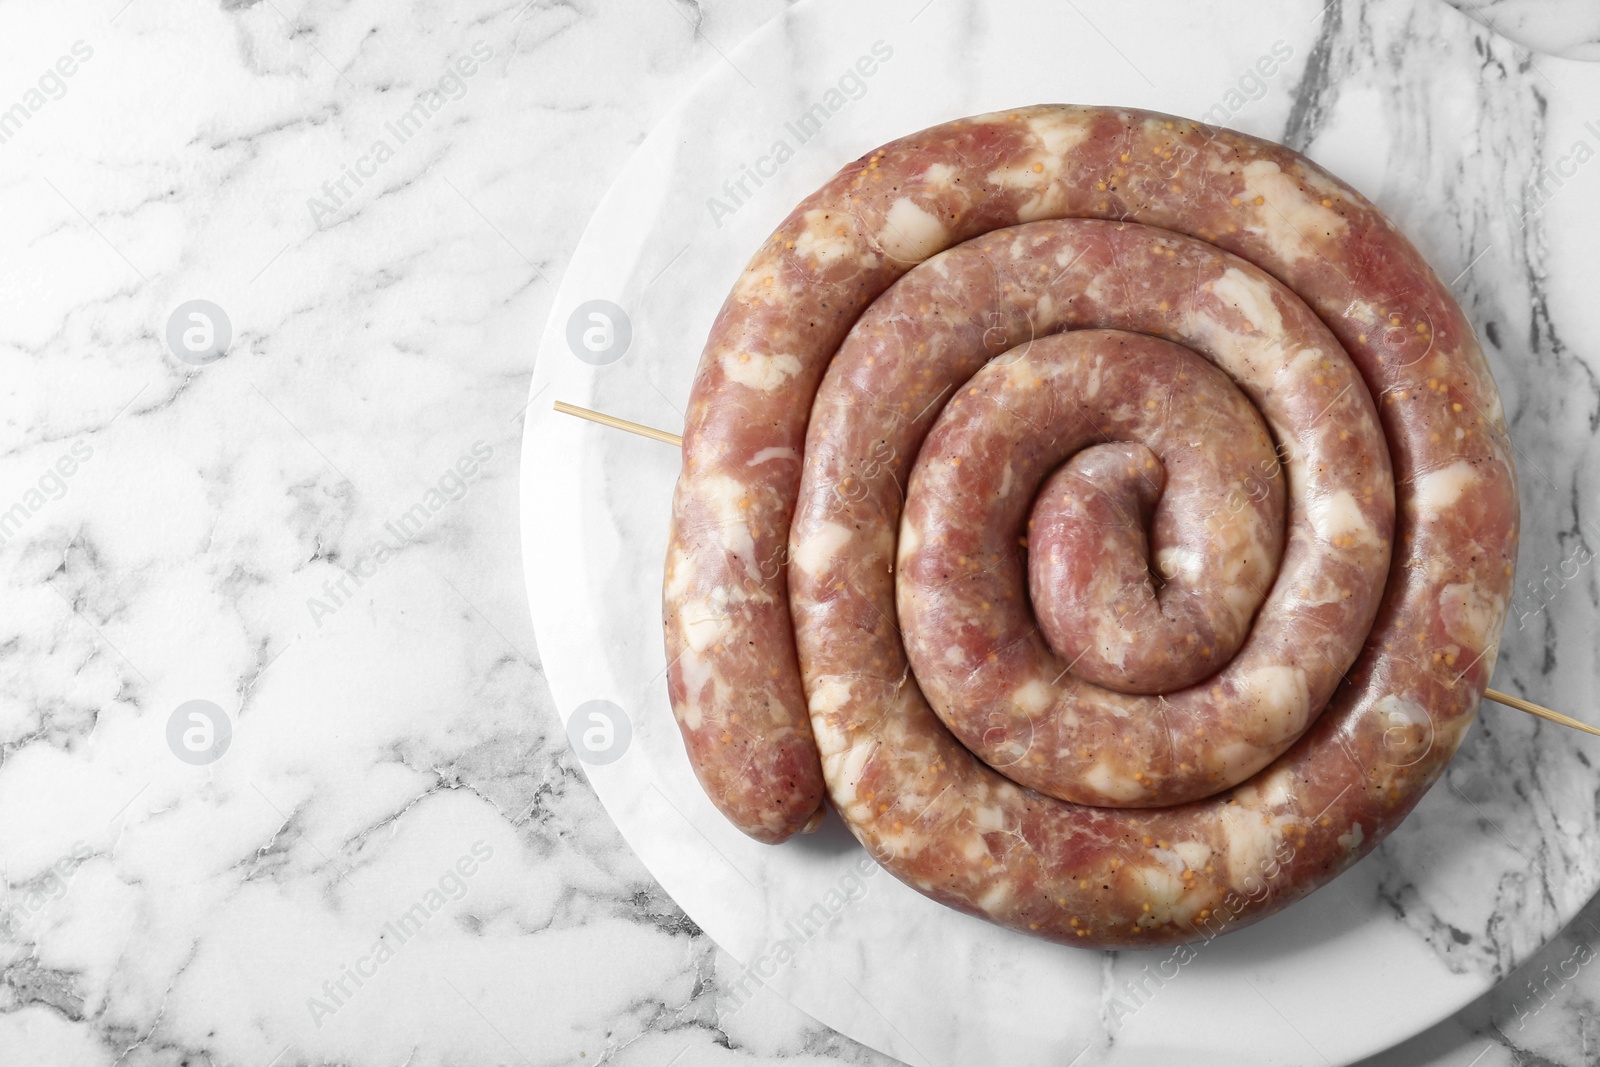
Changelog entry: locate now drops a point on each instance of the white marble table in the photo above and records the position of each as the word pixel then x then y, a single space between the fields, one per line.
pixel 374 846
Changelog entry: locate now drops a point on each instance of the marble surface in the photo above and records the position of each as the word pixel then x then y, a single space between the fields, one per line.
pixel 398 796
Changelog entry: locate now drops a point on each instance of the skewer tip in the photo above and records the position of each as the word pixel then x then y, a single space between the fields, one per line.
pixel 618 424
pixel 1539 710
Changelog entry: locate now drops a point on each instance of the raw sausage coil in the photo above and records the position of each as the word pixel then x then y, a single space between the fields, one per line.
pixel 1111 514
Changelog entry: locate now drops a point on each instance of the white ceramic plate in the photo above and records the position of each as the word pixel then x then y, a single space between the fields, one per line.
pixel 1495 859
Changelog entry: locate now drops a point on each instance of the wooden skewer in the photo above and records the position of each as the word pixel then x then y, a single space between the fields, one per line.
pixel 1534 709
pixel 654 434
pixel 619 424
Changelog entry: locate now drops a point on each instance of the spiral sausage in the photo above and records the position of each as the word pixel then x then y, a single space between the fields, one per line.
pixel 1135 758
